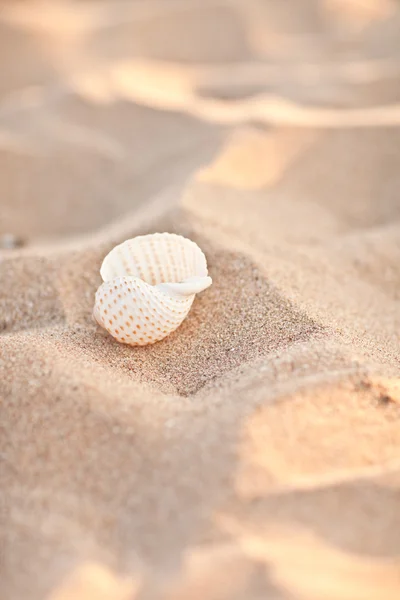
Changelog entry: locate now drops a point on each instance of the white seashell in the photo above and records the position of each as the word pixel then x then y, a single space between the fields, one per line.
pixel 149 286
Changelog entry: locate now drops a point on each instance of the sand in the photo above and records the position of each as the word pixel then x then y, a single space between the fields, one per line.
pixel 255 453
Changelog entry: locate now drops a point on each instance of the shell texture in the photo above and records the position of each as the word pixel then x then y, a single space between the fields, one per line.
pixel 149 286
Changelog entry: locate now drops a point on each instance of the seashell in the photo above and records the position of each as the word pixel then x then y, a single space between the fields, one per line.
pixel 149 286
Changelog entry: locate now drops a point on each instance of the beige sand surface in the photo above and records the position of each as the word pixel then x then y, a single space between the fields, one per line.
pixel 255 453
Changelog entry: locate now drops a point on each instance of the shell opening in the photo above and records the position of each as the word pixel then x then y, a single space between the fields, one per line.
pixel 187 287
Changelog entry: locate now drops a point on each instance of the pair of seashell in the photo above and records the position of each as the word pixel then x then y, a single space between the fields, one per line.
pixel 149 286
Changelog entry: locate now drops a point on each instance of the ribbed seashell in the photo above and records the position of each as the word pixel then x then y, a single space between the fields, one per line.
pixel 149 286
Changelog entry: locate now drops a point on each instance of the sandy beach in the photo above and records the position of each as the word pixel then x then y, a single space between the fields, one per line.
pixel 254 454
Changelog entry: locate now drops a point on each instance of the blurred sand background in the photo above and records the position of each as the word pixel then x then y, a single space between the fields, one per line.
pixel 255 453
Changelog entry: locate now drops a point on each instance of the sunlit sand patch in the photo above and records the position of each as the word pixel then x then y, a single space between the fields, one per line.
pixel 174 87
pixel 310 569
pixel 165 78
pixel 212 572
pixel 308 440
pixel 166 89
pixel 95 582
pixel 358 14
pixel 166 86
pixel 253 159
